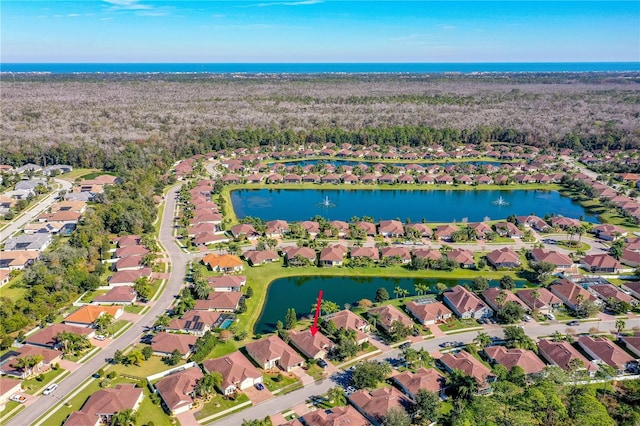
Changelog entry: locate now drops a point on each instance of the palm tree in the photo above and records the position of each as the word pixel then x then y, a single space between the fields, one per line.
pixel 424 357
pixel 374 317
pixel 103 321
pixel 208 384
pixel 501 298
pixel 336 396
pixel 620 325
pixel 26 363
pixel 124 418
pixel 410 356
pixel 482 339
pixel 162 321
pixel 201 289
pixel 461 386
pixel 404 292
pixel 135 357
pixel 398 291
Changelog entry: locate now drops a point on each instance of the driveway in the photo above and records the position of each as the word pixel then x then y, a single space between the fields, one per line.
pixel 257 396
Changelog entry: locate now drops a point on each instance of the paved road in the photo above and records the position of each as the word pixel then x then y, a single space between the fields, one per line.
pixel 178 268
pixel 278 404
pixel 34 211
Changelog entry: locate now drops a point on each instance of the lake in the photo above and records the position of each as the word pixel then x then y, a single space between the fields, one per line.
pixel 301 293
pixel 335 162
pixel 431 205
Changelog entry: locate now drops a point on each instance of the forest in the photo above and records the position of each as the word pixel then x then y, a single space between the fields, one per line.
pixel 120 121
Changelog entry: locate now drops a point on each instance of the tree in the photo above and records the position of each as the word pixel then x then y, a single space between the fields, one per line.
pixel 143 288
pixel 249 292
pixel 369 373
pixel 208 384
pixel 147 352
pixel 461 386
pixel 26 363
pixel 124 418
pixel 174 358
pixel 103 321
pixel 396 417
pixel 515 337
pixel 587 308
pixel 201 289
pixel 517 376
pixel 398 291
pixel 510 313
pixel 374 317
pixel 482 339
pixel 336 396
pixel 426 406
pixel 382 295
pixel 507 283
pixel 542 270
pixel 257 422
pixel 290 319
pixel 326 307
pixel 365 303
pixel 134 357
pixel 399 331
pixel 620 325
pixel 479 284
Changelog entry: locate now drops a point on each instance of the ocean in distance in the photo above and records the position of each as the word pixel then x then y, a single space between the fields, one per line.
pixel 320 68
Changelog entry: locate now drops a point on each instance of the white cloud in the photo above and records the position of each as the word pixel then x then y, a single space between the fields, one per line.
pixel 285 3
pixel 127 5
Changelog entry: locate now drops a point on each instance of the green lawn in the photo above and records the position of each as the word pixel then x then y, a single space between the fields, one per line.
pixel 221 349
pixel 10 406
pixel 13 289
pixel 315 371
pixel 76 173
pixel 579 246
pixel 271 382
pixel 456 324
pixel 151 366
pixel 117 326
pixel 134 309
pixel 32 386
pixel 218 403
pixel 90 295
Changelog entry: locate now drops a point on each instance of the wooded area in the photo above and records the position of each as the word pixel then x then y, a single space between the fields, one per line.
pixel 92 119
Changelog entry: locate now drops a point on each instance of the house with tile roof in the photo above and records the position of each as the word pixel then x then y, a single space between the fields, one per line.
pixel 603 350
pixel 46 337
pixel 466 304
pixel 316 346
pixel 609 292
pixel 632 287
pixel 504 258
pixel 260 257
pixel 196 322
pixel 562 353
pixel 272 352
pixel 227 282
pixel 601 263
pixel 298 256
pixel 220 301
pixel 375 404
pixel 497 297
pixel 8 388
pixel 365 252
pixel 332 255
pixel 350 321
pixel 128 278
pixel 523 358
pixel 226 263
pixel 571 293
pixel 424 378
pixel 86 315
pixel 539 300
pixel 470 366
pixel 428 311
pixel 561 261
pixel 388 315
pixel 393 253
pixel 163 344
pixel 178 389
pixel 121 295
pixel 632 343
pixel 335 416
pixel 11 367
pixel 461 257
pixel 238 373
pixel 105 403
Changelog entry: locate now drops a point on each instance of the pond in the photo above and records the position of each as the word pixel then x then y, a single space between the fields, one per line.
pixel 335 162
pixel 431 205
pixel 301 293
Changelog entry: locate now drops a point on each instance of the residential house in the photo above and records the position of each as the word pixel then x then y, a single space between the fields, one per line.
pixel 533 222
pixel 196 322
pixel 428 311
pixel 227 282
pixel 375 404
pixel 334 416
pixel 368 227
pixel 105 403
pixel 504 258
pixel 137 250
pixel 227 263
pixel 632 343
pixel 11 367
pixel 428 379
pixel 470 366
pixel 332 255
pixel 8 388
pixel 388 315
pixel 312 227
pixel 562 353
pixel 497 297
pixel 564 222
pixel 539 300
pixel 481 229
pixel 608 292
pixel 396 253
pixel 245 230
pixel 508 229
pixel 260 257
pixel 177 390
pixel 431 255
pixel 130 263
pixel 128 278
pixel 391 228
pixel 462 258
pixel 220 301
pixel 299 256
pixel 570 293
pixel 422 229
pixel 466 304
pixel 17 260
pixel 86 315
pixel 121 295
pixel 238 373
pixel 350 321
pixel 365 252
pixel 341 226
pixel 609 232
pixel 444 232
pixel 46 337
pixel 272 352
pixel 26 242
pixel 561 261
pixel 632 287
pixel 523 358
pixel 603 350
pixel 601 263
pixel 164 344
pixel 277 228
pixel 312 346
pixel 127 241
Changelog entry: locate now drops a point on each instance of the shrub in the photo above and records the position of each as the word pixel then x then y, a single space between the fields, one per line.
pixel 39 377
pixel 111 375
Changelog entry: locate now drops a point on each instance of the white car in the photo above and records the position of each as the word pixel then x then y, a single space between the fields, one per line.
pixel 100 337
pixel 551 317
pixel 50 389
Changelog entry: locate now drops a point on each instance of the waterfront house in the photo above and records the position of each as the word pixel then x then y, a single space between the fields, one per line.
pixel 244 230
pixel 497 297
pixel 196 322
pixel 428 311
pixel 504 258
pixel 462 258
pixel 227 282
pixel 178 389
pixel 272 352
pixel 523 358
pixel 561 261
pixel 220 301
pixel 466 304
pixel 543 302
pixel 226 263
pixel 375 404
pixel 311 346
pixel 444 232
pixel 237 372
pixel 401 253
pixel 391 228
pixel 562 353
pixel 369 228
pixel 277 228
pixel 603 350
pixel 332 255
pixel 388 315
pixel 470 366
pixel 349 321
pixel 365 252
pixel 260 257
pixel 422 229
pixel 508 229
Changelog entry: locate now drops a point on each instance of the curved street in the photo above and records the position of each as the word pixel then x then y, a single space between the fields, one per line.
pixel 178 261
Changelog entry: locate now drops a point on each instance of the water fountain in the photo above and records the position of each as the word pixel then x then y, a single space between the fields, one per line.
pixel 500 202
pixel 326 202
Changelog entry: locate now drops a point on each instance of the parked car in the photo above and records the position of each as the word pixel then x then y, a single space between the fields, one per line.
pixel 405 345
pixel 551 316
pixel 100 337
pixel 350 389
pixel 446 344
pixel 20 399
pixel 50 388
pixel 573 323
pixel 259 386
pixel 322 363
pixel 527 318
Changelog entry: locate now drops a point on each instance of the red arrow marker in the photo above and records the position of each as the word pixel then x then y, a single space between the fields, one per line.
pixel 314 327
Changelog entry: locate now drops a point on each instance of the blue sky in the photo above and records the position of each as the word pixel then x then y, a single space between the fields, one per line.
pixel 318 31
